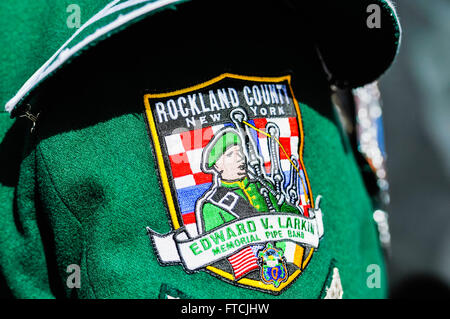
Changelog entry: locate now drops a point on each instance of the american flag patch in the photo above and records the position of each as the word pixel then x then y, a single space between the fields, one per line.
pixel 243 262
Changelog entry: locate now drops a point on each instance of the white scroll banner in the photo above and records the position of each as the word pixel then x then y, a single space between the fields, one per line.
pixel 195 253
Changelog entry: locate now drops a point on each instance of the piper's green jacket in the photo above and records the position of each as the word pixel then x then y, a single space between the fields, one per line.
pixel 82 187
pixel 215 216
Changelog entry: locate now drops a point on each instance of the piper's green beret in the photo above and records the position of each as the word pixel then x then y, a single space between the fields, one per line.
pixel 220 144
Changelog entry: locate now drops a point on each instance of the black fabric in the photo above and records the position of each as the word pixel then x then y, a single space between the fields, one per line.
pixel 241 209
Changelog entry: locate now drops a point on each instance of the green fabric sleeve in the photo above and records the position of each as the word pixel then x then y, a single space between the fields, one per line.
pixel 23 256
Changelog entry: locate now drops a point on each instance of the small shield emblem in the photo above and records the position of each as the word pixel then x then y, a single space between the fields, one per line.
pixel 273 266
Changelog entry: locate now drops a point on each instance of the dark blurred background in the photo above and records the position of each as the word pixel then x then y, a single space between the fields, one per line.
pixel 416 98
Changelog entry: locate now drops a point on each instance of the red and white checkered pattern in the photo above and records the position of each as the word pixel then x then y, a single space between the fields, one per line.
pixel 185 150
pixel 185 154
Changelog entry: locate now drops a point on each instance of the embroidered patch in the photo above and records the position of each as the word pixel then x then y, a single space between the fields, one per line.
pixel 229 154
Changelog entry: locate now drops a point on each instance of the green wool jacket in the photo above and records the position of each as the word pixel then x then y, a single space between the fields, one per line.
pixel 78 192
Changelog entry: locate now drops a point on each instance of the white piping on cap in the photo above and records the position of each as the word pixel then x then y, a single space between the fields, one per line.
pixel 64 52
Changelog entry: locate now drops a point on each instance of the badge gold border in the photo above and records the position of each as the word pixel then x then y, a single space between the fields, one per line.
pixel 165 180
